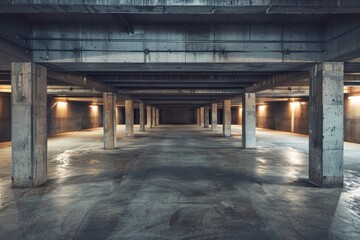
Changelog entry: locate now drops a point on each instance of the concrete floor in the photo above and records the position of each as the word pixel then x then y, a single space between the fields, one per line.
pixel 180 182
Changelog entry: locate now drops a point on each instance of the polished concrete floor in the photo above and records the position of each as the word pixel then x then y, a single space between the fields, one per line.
pixel 180 182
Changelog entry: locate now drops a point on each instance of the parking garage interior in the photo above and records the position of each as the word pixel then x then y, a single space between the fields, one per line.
pixel 179 119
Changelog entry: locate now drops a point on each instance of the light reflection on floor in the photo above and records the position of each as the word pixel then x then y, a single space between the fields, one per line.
pixel 183 182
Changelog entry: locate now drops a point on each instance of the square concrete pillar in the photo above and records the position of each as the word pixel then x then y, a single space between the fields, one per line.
pixel 157 117
pixel 249 120
pixel 198 116
pixel 202 116
pixel 142 117
pixel 109 100
pixel 213 117
pixel 148 117
pixel 326 128
pixel 206 117
pixel 153 117
pixel 28 124
pixel 227 118
pixel 129 118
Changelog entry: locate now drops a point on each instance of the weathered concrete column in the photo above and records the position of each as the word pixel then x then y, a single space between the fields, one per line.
pixel 249 120
pixel 142 117
pixel 29 124
pixel 129 118
pixel 202 116
pixel 198 116
pixel 206 117
pixel 227 118
pixel 213 117
pixel 157 117
pixel 148 117
pixel 326 129
pixel 109 116
pixel 153 117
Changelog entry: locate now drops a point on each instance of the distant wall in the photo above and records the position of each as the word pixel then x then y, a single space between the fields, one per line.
pixel 352 120
pixel 5 117
pixel 236 115
pixel 177 116
pixel 278 116
pixel 73 116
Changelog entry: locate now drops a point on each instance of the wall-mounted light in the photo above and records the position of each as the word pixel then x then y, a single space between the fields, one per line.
pixel 94 106
pixel 61 103
pixel 294 104
pixel 356 98
pixel 262 107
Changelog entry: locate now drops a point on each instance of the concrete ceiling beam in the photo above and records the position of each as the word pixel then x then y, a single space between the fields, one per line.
pixel 178 78
pixel 343 41
pixel 278 80
pixel 85 82
pixel 181 6
pixel 182 91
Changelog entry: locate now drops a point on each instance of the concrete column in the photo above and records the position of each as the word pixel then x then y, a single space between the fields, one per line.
pixel 153 117
pixel 129 118
pixel 227 118
pixel 148 117
pixel 157 117
pixel 202 116
pixel 29 124
pixel 326 126
pixel 142 117
pixel 109 116
pixel 249 120
pixel 198 116
pixel 213 117
pixel 206 117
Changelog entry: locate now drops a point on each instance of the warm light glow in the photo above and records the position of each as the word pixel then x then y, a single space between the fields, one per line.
pixel 62 104
pixel 356 98
pixel 93 106
pixel 262 107
pixel 294 104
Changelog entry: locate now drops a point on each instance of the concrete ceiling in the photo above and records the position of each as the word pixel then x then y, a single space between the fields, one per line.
pixel 194 65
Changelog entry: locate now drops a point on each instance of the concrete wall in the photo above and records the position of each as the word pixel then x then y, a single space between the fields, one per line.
pixel 73 116
pixel 177 116
pixel 258 48
pixel 352 120
pixel 120 115
pixel 70 117
pixel 278 116
pixel 236 116
pixel 5 117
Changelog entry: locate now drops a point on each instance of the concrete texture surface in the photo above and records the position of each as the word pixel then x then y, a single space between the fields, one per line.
pixel 180 182
pixel 326 125
pixel 29 124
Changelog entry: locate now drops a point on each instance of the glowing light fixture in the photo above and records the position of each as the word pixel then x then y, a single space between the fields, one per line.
pixel 294 104
pixel 62 103
pixel 262 107
pixel 357 98
pixel 94 106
